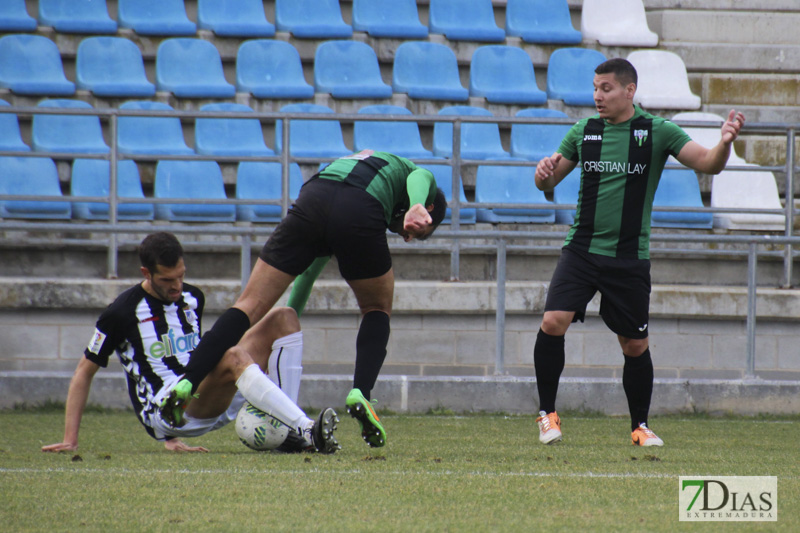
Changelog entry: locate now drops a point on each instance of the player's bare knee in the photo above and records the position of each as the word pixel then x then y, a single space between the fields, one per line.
pixel 284 321
pixel 633 347
pixel 236 359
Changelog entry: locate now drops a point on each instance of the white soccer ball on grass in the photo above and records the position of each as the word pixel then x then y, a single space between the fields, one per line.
pixel 258 430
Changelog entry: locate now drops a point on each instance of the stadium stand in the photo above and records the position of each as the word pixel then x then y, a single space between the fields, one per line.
pixel 191 68
pixel 311 19
pixel 71 16
pixel 464 20
pixel 541 21
pixel 427 71
pixel 747 189
pixel 401 138
pixel 200 180
pixel 537 141
pixel 398 19
pixel 495 184
pixel 348 69
pixel 679 188
pixel 617 23
pixel 112 67
pixel 31 65
pixel 479 140
pixel 150 135
pixel 10 137
pixel 155 17
pixel 570 75
pixel 504 74
pixel 566 193
pixel 14 17
pixel 256 180
pixel 663 80
pixel 271 69
pixel 67 133
pixel 444 180
pixel 311 138
pixel 229 136
pixel 708 137
pixel 31 176
pixel 234 18
pixel 91 177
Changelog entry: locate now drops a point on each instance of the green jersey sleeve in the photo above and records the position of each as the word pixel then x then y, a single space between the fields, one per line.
pixel 421 187
pixel 303 284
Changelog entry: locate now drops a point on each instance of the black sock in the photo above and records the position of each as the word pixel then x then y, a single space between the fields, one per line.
pixel 226 332
pixel 637 380
pixel 373 336
pixel 548 359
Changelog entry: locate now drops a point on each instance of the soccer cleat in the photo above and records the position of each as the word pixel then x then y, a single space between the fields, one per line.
pixel 644 436
pixel 295 443
pixel 173 406
pixel 321 433
pixel 371 429
pixel 549 427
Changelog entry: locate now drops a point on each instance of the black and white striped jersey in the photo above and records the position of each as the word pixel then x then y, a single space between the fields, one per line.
pixel 153 340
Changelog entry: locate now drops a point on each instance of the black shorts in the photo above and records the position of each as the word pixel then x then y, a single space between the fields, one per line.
pixel 624 286
pixel 331 218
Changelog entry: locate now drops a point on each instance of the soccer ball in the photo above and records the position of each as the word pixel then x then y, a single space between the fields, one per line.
pixel 258 430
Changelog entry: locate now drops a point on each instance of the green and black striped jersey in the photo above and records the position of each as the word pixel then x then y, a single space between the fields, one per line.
pixel 621 166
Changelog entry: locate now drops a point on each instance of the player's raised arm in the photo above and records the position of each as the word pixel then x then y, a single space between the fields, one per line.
pixel 551 170
pixel 78 394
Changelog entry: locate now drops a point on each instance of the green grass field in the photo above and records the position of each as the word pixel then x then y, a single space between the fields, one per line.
pixel 438 472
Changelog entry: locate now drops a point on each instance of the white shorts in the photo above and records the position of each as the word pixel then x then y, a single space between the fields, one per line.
pixel 194 427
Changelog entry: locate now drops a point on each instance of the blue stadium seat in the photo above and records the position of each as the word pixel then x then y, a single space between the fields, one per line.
pixel 112 67
pixel 27 176
pixel 201 180
pixel 10 137
pixel 566 193
pixel 234 18
pixel 14 17
pixel 400 138
pixel 229 136
pixel 155 17
pixel 464 20
pixel 311 138
pixel 537 141
pixel 71 16
pixel 311 19
pixel 81 134
pixel 428 71
pixel 271 69
pixel 191 68
pixel 256 180
pixel 444 180
pixel 398 19
pixel 514 185
pixel 91 177
pixel 504 74
pixel 570 75
pixel 31 64
pixel 348 69
pixel 478 140
pixel 541 21
pixel 150 135
pixel 680 188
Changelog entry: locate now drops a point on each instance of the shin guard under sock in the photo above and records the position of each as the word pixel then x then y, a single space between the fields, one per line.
pixel 225 333
pixel 637 380
pixel 373 336
pixel 263 394
pixel 548 360
pixel 286 364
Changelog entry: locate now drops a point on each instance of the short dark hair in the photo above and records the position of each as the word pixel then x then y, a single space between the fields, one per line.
pixel 622 69
pixel 439 207
pixel 160 248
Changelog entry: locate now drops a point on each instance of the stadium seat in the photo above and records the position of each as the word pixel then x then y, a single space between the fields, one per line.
pixel 707 137
pixel 311 19
pixel 234 18
pixel 14 17
pixel 663 81
pixel 311 138
pixel 537 141
pixel 428 71
pixel 504 74
pixel 747 189
pixel 71 16
pixel 201 180
pixel 398 19
pixel 570 75
pixel 566 193
pixel 400 138
pixel 91 177
pixel 191 68
pixel 229 136
pixel 10 136
pixel 617 23
pixel 541 21
pixel 478 140
pixel 348 69
pixel 464 20
pixel 67 133
pixel 262 181
pixel 679 188
pixel 111 67
pixel 150 135
pixel 271 69
pixel 514 185
pixel 444 180
pixel 31 64
pixel 27 176
pixel 155 17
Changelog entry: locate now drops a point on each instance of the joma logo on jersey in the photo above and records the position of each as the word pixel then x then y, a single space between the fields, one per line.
pixel 614 166
pixel 640 136
pixel 592 138
pixel 172 345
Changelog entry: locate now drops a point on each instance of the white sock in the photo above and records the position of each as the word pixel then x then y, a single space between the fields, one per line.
pixel 262 393
pixel 286 364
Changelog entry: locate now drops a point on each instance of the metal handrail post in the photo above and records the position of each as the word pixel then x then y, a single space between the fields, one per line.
pixel 284 168
pixel 751 311
pixel 455 249
pixel 500 312
pixel 113 245
pixel 788 258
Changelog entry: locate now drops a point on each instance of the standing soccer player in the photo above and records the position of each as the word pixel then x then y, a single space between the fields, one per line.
pixel 622 151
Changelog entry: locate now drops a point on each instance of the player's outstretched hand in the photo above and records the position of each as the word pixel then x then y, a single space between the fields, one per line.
pixel 177 445
pixel 546 167
pixel 60 447
pixel 732 126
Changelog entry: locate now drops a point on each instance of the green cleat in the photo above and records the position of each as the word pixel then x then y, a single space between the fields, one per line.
pixel 371 429
pixel 174 404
